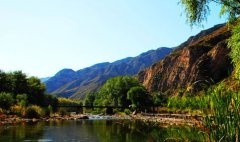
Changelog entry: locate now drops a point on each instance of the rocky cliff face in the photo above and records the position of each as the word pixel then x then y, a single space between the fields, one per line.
pixel 200 61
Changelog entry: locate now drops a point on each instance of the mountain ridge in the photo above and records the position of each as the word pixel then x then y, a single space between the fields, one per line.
pixel 75 84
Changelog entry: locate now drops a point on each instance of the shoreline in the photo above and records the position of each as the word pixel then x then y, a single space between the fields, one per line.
pixel 162 120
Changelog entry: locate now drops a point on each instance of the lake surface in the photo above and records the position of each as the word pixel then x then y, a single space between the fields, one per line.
pixel 96 131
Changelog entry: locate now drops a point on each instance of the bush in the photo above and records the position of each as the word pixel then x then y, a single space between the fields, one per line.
pixel 6 100
pixel 21 99
pixel 127 111
pixel 34 112
pixel 17 110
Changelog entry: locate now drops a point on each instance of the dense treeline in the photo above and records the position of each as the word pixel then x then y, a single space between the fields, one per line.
pixel 17 88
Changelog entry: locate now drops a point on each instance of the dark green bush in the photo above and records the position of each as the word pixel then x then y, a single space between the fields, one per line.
pixel 6 100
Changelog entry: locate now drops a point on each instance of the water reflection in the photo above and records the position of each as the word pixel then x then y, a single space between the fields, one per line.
pixel 97 131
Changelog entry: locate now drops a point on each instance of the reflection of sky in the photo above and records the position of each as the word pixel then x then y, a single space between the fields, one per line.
pixel 42 37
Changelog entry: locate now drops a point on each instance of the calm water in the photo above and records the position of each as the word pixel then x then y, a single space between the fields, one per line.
pixel 96 131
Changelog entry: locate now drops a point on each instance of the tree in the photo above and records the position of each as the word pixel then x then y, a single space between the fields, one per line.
pixel 21 99
pixel 5 81
pixel 139 97
pixel 198 10
pixel 6 100
pixel 19 81
pixel 114 91
pixel 35 91
pixel 89 100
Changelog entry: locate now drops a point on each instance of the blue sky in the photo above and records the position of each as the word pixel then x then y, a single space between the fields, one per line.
pixel 41 37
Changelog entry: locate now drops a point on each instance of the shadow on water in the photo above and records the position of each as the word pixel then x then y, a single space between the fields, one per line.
pixel 98 131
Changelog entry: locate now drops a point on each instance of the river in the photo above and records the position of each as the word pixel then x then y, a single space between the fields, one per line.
pixel 102 130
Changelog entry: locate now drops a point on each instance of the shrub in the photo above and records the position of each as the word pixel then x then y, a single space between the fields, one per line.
pixel 21 99
pixel 127 111
pixel 17 110
pixel 34 112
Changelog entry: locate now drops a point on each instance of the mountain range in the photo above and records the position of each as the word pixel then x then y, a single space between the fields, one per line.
pixel 75 84
pixel 195 64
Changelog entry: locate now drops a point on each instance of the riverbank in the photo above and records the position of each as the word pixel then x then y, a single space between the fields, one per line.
pixel 170 119
pixel 14 119
pixel 163 120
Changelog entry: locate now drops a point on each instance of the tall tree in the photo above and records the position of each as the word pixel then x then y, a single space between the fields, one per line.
pixel 19 81
pixel 35 91
pixel 139 97
pixel 114 91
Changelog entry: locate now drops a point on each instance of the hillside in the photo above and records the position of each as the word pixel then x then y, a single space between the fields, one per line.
pixel 197 63
pixel 75 84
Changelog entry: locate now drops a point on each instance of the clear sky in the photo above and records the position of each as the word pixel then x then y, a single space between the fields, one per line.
pixel 41 37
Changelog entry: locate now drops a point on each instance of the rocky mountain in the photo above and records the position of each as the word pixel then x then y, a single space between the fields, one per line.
pixel 200 61
pixel 75 84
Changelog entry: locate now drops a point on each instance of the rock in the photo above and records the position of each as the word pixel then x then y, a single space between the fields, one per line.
pixel 196 64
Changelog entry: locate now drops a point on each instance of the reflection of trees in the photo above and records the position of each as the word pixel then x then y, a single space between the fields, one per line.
pixel 99 130
pixel 22 132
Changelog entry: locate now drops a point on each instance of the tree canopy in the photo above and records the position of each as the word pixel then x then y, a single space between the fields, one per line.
pixel 23 90
pixel 114 91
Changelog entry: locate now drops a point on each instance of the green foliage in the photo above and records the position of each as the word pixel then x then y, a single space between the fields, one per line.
pixel 139 97
pixel 6 100
pixel 35 91
pixel 48 111
pixel 18 83
pixel 5 81
pixel 89 100
pixel 237 74
pixel 34 111
pixel 158 99
pixel 66 101
pixel 114 91
pixel 198 10
pixel 184 102
pixel 21 99
pixel 127 111
pixel 17 110
pixel 223 125
pixel 234 45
